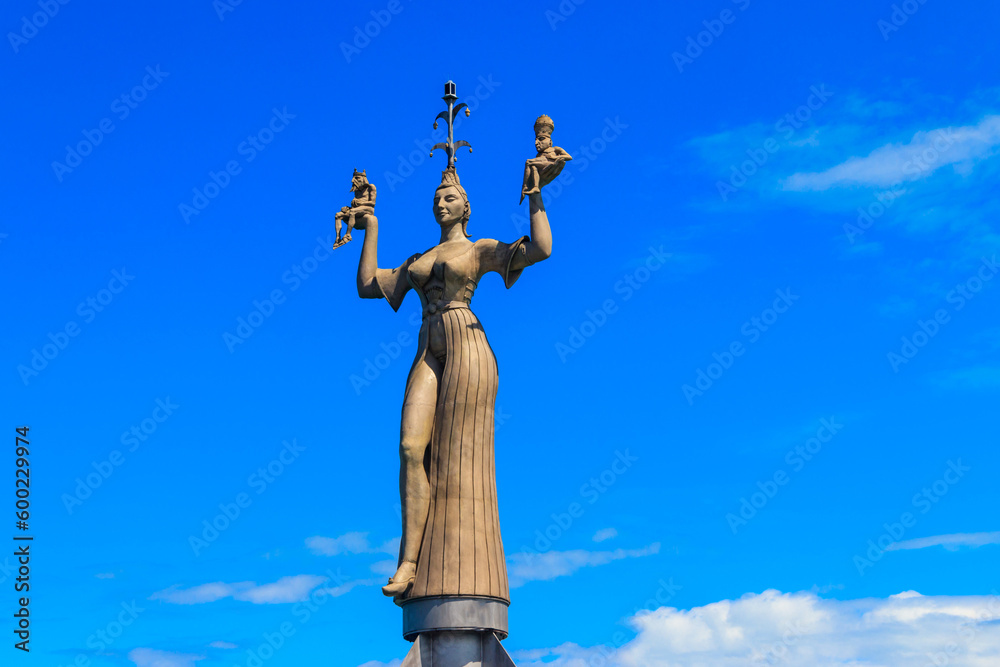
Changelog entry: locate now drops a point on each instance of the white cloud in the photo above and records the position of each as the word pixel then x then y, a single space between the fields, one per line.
pixel 376 663
pixel 148 657
pixel 337 591
pixel 525 567
pixel 605 534
pixel 105 575
pixel 949 542
pixel 978 377
pixel 226 645
pixel 287 589
pixel 803 630
pixel 350 543
pixel 386 567
pixel 895 163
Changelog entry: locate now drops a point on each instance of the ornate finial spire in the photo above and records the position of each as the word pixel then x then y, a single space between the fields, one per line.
pixel 449 117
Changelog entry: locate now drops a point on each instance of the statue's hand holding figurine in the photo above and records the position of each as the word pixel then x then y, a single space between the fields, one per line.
pixel 361 207
pixel 545 167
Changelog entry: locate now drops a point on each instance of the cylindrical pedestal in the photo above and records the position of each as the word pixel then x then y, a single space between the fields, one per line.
pixel 454 612
pixel 455 631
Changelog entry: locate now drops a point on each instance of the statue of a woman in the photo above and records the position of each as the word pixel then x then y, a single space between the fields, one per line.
pixel 451 533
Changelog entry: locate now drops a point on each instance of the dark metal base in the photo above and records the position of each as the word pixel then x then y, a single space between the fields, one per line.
pixel 454 612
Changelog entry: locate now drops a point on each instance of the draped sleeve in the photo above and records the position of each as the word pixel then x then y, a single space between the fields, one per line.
pixel 393 283
pixel 498 256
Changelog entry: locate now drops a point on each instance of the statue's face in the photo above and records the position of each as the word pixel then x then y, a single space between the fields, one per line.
pixel 542 142
pixel 449 205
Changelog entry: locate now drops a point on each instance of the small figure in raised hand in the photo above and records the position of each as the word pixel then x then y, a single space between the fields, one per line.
pixel 548 164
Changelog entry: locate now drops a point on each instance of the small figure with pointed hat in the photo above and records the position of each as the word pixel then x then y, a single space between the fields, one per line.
pixel 361 206
pixel 548 164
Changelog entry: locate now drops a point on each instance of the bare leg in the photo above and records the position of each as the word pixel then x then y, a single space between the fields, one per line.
pixel 414 488
pixel 350 226
pixel 530 180
pixel 337 225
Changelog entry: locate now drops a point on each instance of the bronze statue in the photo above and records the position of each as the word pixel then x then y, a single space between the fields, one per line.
pixel 362 205
pixel 451 573
pixel 548 164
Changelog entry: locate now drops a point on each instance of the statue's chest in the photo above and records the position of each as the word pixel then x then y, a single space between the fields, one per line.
pixel 444 266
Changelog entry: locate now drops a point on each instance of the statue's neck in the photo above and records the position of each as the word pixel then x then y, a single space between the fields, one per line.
pixel 452 232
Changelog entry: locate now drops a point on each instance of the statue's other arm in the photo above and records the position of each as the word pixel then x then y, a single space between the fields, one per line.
pixel 368 264
pixel 376 283
pixel 539 246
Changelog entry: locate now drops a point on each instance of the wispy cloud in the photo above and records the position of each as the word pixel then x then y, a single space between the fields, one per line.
pixel 337 591
pixel 350 543
pixel 977 377
pixel 950 542
pixel 605 534
pixel 287 589
pixel 916 159
pixel 148 657
pixel 525 567
pixel 386 567
pixel 801 630
pixel 225 645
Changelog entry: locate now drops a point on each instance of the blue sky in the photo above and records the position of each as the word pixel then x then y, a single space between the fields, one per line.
pixel 760 368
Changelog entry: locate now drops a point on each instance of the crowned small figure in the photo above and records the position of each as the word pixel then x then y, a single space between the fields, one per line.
pixel 548 164
pixel 361 206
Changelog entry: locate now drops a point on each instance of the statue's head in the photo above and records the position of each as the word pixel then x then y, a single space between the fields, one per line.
pixel 544 127
pixel 451 204
pixel 358 181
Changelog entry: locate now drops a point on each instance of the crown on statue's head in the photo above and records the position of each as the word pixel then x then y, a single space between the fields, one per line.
pixel 450 177
pixel 544 125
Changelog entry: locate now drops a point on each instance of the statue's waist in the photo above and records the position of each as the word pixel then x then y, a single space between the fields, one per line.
pixel 441 305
